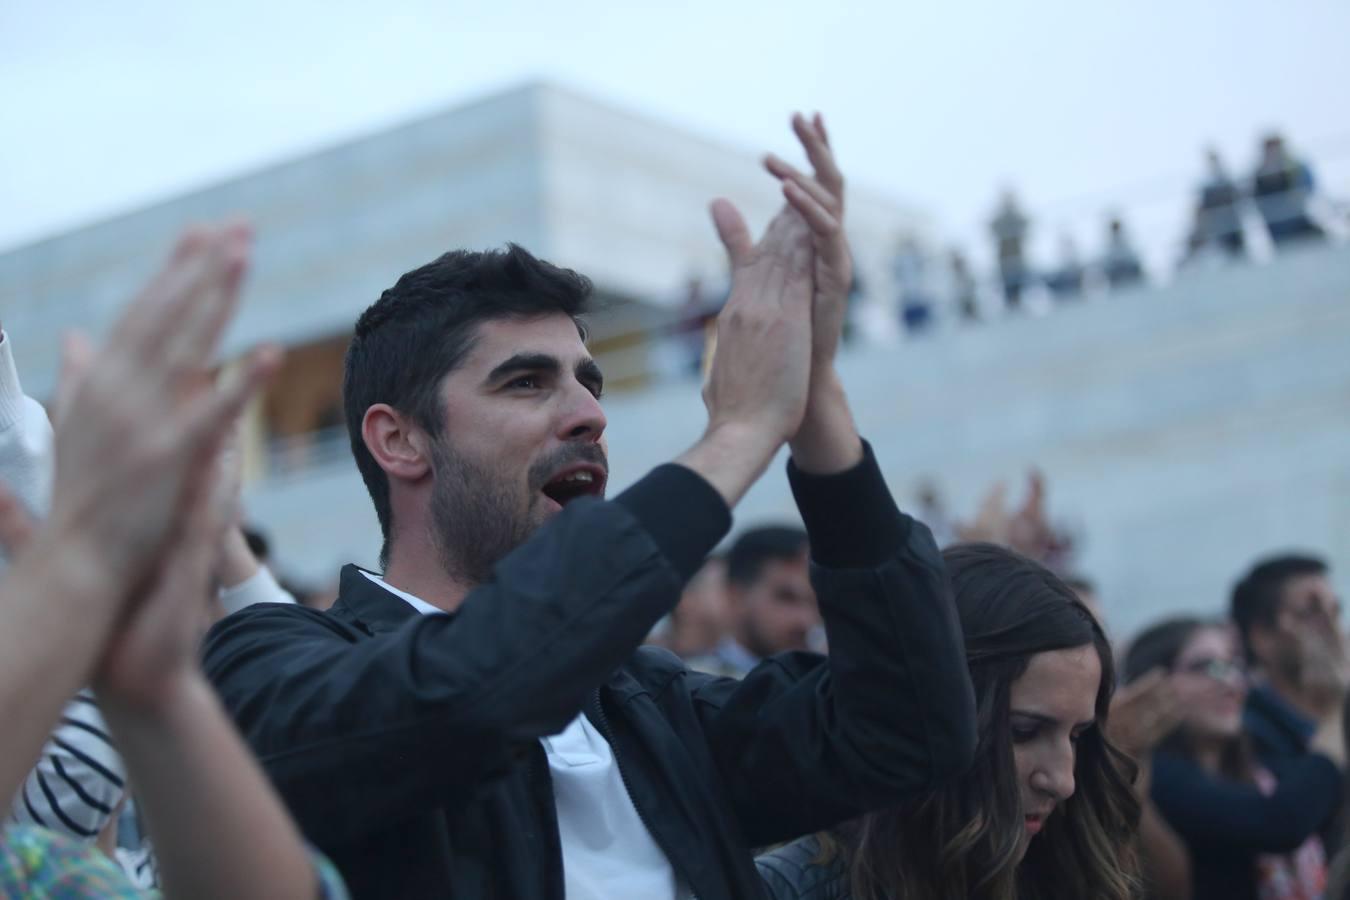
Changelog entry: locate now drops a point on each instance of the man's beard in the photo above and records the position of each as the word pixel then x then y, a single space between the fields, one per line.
pixel 475 513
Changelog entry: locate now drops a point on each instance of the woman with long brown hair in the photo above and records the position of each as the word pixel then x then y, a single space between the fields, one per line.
pixel 1045 811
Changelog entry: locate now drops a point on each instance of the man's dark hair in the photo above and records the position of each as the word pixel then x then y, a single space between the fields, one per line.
pixel 759 546
pixel 1256 598
pixel 421 329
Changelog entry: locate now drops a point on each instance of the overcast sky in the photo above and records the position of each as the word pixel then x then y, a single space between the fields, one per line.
pixel 1080 105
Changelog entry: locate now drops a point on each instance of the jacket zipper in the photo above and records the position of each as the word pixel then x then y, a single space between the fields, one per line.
pixel 609 736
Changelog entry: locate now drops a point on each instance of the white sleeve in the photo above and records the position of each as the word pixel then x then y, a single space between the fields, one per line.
pixel 261 587
pixel 25 439
pixel 80 779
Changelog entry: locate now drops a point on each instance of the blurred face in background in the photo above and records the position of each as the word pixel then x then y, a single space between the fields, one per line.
pixel 777 611
pixel 1308 620
pixel 1272 150
pixel 1211 684
pixel 703 616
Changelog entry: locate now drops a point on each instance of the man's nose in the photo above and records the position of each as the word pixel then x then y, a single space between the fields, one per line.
pixel 583 417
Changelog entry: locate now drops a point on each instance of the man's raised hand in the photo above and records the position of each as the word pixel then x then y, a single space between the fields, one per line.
pixel 827 441
pixel 761 367
pixel 820 200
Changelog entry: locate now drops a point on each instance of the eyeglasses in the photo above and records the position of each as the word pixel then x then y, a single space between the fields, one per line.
pixel 1224 670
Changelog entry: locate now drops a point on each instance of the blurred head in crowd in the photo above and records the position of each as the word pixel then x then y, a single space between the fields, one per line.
pixel 703 616
pixel 769 588
pixel 1047 808
pixel 1272 148
pixel 1205 664
pixel 1278 606
pixel 472 406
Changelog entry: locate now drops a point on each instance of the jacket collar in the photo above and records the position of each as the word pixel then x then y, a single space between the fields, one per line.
pixel 369 606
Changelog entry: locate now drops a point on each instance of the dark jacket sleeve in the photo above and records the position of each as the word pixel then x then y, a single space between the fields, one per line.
pixel 803 741
pixel 359 731
pixel 1218 813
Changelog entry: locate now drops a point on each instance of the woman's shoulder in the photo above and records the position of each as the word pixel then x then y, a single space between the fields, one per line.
pixel 794 872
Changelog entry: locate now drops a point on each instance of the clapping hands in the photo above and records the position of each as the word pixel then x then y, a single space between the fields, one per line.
pixel 141 492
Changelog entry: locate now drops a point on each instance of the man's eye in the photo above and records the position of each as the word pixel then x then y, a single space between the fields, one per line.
pixel 525 381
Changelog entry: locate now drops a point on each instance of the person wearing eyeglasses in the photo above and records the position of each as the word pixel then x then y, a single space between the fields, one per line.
pixel 1251 827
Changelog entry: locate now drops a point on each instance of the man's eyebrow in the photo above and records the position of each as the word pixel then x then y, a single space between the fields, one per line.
pixel 589 374
pixel 525 362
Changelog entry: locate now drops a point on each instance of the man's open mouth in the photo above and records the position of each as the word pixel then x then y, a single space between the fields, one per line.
pixel 574 482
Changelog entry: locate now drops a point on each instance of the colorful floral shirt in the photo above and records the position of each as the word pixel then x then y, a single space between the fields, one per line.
pixel 40 864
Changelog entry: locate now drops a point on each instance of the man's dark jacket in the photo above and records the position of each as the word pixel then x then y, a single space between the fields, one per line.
pixel 407 745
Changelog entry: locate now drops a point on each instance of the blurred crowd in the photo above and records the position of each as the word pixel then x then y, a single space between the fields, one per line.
pixel 1275 207
pixel 1276 204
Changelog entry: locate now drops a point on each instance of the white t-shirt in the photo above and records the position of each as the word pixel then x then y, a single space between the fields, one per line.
pixel 606 847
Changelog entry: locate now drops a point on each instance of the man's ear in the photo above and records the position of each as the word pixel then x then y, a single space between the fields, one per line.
pixel 398 445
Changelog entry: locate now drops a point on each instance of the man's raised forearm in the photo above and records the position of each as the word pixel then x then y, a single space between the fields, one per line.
pixel 827 441
pixel 731 457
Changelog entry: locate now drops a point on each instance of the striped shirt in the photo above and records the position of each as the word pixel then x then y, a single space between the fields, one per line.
pixel 79 780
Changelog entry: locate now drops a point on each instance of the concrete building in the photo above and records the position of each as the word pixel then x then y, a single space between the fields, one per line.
pixel 617 196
